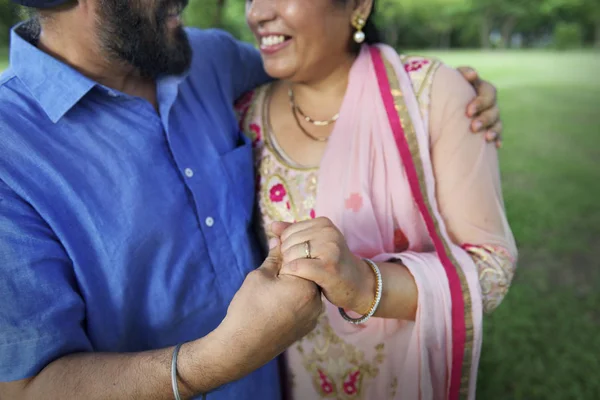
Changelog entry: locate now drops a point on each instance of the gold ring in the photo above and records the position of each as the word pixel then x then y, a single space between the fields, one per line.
pixel 307 249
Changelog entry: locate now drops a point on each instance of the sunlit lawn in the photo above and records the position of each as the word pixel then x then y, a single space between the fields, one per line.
pixel 544 341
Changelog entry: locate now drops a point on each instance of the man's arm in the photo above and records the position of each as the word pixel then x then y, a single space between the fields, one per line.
pixel 203 365
pixel 239 62
pixel 45 352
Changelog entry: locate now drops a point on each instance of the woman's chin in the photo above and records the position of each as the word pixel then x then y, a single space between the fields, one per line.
pixel 279 72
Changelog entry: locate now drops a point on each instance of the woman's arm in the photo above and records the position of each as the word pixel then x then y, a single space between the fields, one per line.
pixel 468 187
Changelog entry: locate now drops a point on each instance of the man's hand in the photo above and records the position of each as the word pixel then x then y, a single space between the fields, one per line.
pixel 484 109
pixel 269 313
pixel 346 280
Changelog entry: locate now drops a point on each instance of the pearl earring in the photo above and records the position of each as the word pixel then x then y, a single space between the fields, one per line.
pixel 359 23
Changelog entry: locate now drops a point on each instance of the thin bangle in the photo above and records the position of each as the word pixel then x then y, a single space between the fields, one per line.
pixel 174 372
pixel 376 301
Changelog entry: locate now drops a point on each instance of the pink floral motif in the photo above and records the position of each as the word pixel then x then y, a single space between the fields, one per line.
pixel 350 383
pixel 326 385
pixel 354 202
pixel 313 215
pixel 256 134
pixel 242 105
pixel 415 65
pixel 277 193
pixel 243 102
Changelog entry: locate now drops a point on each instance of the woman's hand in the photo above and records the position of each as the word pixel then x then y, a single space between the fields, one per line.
pixel 346 280
pixel 484 108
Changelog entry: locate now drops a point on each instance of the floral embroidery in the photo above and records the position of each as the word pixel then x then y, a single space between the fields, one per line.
pixel 415 65
pixel 352 383
pixel 277 193
pixel 255 134
pixel 242 105
pixel 394 387
pixel 496 269
pixel 339 370
pixel 326 384
pixel 354 202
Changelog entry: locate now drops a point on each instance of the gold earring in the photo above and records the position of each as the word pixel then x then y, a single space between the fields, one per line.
pixel 359 23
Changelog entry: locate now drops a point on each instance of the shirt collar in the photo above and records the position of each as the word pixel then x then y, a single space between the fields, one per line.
pixel 56 86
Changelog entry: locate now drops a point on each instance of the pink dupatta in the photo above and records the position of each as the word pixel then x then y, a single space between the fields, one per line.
pixel 377 168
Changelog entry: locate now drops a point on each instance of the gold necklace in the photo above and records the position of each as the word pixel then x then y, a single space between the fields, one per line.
pixel 308 119
pixel 307 133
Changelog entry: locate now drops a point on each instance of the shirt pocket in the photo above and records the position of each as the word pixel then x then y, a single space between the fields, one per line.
pixel 239 167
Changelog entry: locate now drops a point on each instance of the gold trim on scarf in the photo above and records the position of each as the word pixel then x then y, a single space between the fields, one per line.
pixel 411 137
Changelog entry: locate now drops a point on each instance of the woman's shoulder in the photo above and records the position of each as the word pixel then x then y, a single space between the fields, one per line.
pixel 248 99
pixel 248 106
pixel 420 70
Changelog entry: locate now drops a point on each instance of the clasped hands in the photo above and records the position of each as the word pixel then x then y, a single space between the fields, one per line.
pixel 315 250
pixel 280 302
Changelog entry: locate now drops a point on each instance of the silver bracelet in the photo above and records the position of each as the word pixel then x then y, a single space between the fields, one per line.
pixel 375 305
pixel 174 372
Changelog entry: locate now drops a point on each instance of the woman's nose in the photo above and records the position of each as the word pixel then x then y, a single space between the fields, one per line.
pixel 259 12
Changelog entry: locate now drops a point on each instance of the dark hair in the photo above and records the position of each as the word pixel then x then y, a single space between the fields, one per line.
pixel 372 35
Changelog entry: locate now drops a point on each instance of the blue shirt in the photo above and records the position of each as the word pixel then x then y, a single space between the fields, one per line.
pixel 122 229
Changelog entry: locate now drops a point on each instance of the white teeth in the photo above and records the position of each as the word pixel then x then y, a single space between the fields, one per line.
pixel 267 41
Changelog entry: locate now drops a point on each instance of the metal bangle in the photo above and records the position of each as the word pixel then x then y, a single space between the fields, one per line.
pixel 376 301
pixel 174 372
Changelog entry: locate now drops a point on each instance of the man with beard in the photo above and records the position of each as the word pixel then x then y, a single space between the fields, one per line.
pixel 126 200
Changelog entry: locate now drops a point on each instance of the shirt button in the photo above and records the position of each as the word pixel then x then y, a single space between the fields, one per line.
pixel 188 172
pixel 209 221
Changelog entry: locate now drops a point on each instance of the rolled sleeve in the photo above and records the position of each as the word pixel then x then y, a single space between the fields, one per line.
pixel 42 313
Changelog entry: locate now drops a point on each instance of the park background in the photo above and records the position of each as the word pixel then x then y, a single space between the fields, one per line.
pixel 544 57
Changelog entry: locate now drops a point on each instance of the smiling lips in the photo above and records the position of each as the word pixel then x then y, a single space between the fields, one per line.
pixel 272 43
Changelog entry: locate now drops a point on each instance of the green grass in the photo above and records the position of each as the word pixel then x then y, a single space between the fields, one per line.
pixel 3 59
pixel 544 340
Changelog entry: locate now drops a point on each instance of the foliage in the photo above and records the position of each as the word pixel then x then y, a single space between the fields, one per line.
pixel 8 16
pixel 567 35
pixel 422 23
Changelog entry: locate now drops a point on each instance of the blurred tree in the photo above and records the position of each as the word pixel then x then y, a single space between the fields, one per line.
pixel 411 24
pixel 592 11
pixel 9 15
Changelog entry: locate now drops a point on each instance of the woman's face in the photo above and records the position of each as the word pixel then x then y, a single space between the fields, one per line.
pixel 301 40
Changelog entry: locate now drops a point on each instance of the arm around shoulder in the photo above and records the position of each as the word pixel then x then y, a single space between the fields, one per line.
pixel 238 62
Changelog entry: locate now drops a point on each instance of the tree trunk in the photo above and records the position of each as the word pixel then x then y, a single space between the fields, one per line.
pixel 219 13
pixel 485 30
pixel 507 31
pixel 445 38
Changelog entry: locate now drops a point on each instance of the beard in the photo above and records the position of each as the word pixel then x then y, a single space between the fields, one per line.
pixel 142 38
